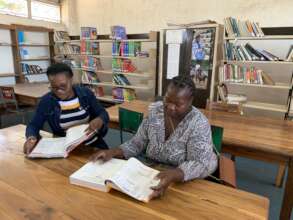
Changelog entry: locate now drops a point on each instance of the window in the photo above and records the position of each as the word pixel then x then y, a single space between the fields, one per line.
pixel 14 7
pixel 47 10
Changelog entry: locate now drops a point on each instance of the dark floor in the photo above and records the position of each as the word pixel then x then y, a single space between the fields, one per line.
pixel 253 176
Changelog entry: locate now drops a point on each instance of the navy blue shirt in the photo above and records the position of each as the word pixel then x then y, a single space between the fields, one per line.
pixel 49 110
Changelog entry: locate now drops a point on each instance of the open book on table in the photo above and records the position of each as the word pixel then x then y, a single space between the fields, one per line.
pixel 128 176
pixel 60 147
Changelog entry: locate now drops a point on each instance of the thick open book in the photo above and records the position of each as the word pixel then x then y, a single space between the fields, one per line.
pixel 128 176
pixel 60 147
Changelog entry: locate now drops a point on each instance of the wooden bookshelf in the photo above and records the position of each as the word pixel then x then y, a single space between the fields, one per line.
pixel 276 86
pixel 34 45
pixel 110 84
pixel 138 79
pixel 7 74
pixel 110 72
pixel 279 71
pixel 108 98
pixel 266 106
pixel 266 37
pixel 237 62
pixel 35 59
pixel 18 45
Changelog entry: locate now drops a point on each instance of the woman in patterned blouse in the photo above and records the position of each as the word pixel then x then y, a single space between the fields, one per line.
pixel 174 133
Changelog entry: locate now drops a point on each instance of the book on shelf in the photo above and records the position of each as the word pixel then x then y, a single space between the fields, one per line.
pixel 67 49
pixel 128 176
pixel 31 69
pixel 247 52
pixel 123 94
pixel 61 146
pixel 118 32
pixel 242 74
pixel 89 77
pixel 122 65
pixel 229 98
pixel 88 33
pixel 61 36
pixel 237 28
pixel 21 37
pixel 89 62
pixel 120 79
pixel 87 47
pixel 97 90
pixel 126 49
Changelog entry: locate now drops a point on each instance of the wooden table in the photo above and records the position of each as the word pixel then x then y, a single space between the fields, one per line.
pixel 30 93
pixel 254 137
pixel 40 189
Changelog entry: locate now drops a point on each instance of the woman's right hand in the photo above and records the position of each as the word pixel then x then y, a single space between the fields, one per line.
pixel 29 145
pixel 106 155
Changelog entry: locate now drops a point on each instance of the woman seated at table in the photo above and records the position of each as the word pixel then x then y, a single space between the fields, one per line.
pixel 66 106
pixel 174 133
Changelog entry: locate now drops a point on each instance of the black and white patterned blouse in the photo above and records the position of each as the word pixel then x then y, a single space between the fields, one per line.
pixel 189 147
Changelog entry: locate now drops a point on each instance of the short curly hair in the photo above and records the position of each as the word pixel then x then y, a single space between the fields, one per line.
pixel 184 82
pixel 58 68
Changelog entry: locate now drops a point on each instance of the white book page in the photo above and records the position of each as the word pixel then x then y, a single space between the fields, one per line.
pixel 135 179
pixel 95 173
pixel 48 147
pixel 75 134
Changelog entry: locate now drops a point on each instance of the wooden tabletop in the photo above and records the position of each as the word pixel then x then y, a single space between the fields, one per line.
pixel 265 134
pixel 34 90
pixel 40 189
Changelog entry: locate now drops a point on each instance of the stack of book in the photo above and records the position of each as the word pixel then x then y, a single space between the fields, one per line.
pixel 120 79
pixel 246 52
pixel 31 69
pixel 118 32
pixel 87 47
pixel 92 63
pixel 123 94
pixel 126 49
pixel 89 77
pixel 242 74
pixel 123 65
pixel 67 49
pixel 61 36
pixel 237 28
pixel 88 33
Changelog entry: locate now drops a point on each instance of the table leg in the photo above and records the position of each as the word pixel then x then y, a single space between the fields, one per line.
pixel 287 204
pixel 280 176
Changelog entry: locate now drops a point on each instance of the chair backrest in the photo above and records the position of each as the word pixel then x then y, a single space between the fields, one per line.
pixel 217 136
pixel 7 96
pixel 129 120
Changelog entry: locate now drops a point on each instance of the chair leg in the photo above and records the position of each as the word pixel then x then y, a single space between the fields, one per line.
pixel 121 137
pixel 280 175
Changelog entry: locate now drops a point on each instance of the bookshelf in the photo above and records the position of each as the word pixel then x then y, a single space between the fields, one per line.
pixel 143 79
pixel 263 98
pixel 7 73
pixel 32 47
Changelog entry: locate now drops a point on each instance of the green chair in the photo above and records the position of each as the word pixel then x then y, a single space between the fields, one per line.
pixel 217 136
pixel 129 121
pixel 226 172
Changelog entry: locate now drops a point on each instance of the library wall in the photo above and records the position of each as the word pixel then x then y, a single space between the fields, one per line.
pixel 141 15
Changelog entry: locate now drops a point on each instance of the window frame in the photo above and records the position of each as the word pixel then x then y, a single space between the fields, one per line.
pixel 29 14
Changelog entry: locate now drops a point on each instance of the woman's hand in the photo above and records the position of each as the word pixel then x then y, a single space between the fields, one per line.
pixel 166 178
pixel 29 145
pixel 94 125
pixel 106 155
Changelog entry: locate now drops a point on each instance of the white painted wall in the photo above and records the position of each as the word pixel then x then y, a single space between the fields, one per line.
pixel 145 15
